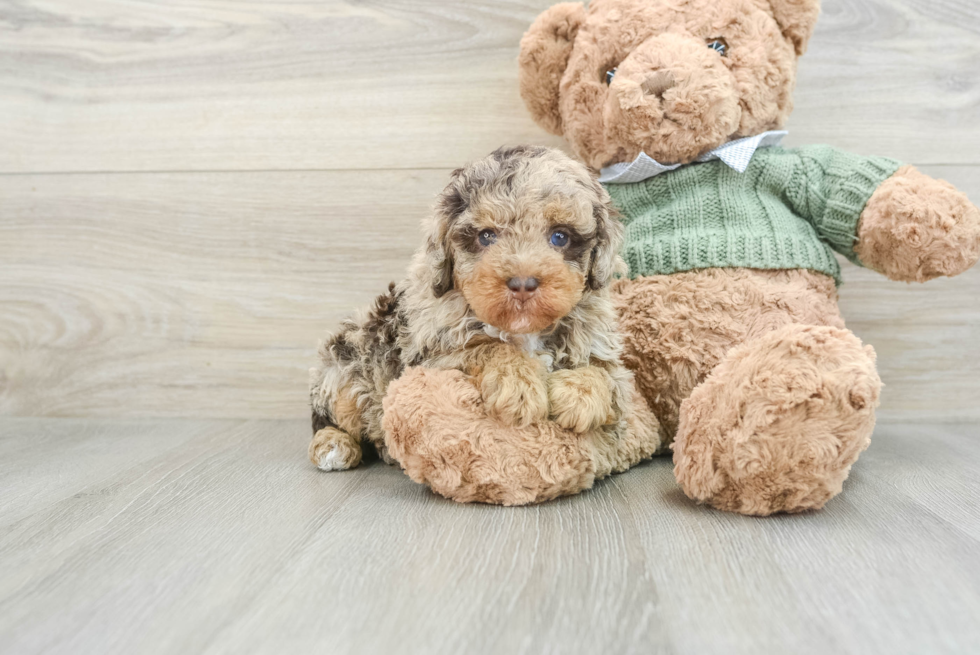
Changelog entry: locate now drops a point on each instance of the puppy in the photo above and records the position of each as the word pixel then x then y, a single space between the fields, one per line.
pixel 511 287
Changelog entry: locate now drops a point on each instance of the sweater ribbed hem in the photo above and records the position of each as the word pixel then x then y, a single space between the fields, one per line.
pixel 663 256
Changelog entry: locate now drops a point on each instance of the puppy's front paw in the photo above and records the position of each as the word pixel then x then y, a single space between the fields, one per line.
pixel 334 450
pixel 516 393
pixel 581 398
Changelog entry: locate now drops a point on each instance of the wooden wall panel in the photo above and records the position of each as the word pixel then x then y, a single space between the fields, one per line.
pixel 191 193
pixel 199 295
pixel 232 85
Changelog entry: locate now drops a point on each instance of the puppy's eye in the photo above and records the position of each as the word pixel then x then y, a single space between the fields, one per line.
pixel 610 74
pixel 719 46
pixel 559 239
pixel 487 238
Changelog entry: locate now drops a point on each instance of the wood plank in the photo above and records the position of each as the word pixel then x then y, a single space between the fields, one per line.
pixel 232 542
pixel 122 85
pixel 190 295
pixel 44 462
pixel 265 85
pixel 892 77
pixel 204 294
pixel 924 334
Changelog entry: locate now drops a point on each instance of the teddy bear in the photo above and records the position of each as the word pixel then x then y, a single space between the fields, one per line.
pixel 729 310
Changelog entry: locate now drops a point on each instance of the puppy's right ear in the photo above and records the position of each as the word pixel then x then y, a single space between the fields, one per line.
pixel 545 49
pixel 452 202
pixel 605 262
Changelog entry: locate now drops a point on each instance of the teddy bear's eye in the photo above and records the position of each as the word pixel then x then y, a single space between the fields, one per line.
pixel 487 238
pixel 610 74
pixel 719 46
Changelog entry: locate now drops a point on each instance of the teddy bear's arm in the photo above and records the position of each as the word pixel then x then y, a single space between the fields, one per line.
pixel 916 228
pixel 885 216
pixel 830 188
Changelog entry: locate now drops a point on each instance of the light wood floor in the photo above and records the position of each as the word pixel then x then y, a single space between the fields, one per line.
pixel 192 192
pixel 214 536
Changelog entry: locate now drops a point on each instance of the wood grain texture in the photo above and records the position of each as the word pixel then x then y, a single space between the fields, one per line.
pixel 196 292
pixel 204 294
pixel 187 536
pixel 231 85
pixel 197 295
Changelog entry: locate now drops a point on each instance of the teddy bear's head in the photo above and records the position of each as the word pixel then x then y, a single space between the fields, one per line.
pixel 671 78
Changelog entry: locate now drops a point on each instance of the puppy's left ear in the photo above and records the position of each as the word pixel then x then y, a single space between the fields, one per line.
pixel 605 262
pixel 439 252
pixel 797 19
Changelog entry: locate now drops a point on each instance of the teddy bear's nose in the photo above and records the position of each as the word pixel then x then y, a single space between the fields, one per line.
pixel 658 83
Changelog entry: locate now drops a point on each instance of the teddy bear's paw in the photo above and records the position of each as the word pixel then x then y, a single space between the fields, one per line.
pixel 581 399
pixel 334 450
pixel 916 228
pixel 516 394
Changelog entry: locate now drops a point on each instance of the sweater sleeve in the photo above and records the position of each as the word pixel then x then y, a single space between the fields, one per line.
pixel 830 188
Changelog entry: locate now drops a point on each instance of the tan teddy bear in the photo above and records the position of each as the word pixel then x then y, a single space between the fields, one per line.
pixel 729 310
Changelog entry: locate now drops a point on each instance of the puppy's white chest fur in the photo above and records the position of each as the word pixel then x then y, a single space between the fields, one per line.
pixel 532 344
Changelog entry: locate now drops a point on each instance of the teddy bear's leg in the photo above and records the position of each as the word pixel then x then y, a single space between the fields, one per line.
pixel 777 424
pixel 438 428
pixel 636 439
pixel 677 328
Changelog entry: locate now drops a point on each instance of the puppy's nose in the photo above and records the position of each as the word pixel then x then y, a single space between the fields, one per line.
pixel 523 287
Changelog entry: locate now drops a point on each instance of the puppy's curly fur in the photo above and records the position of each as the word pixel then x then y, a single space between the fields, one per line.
pixel 511 287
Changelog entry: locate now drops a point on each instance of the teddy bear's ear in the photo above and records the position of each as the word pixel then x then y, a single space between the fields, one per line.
pixel 796 18
pixel 545 49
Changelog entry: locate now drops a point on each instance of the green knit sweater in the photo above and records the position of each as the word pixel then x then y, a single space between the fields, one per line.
pixel 787 210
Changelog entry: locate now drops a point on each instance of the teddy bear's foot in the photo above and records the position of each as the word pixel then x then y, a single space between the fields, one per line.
pixel 776 426
pixel 334 450
pixel 438 428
